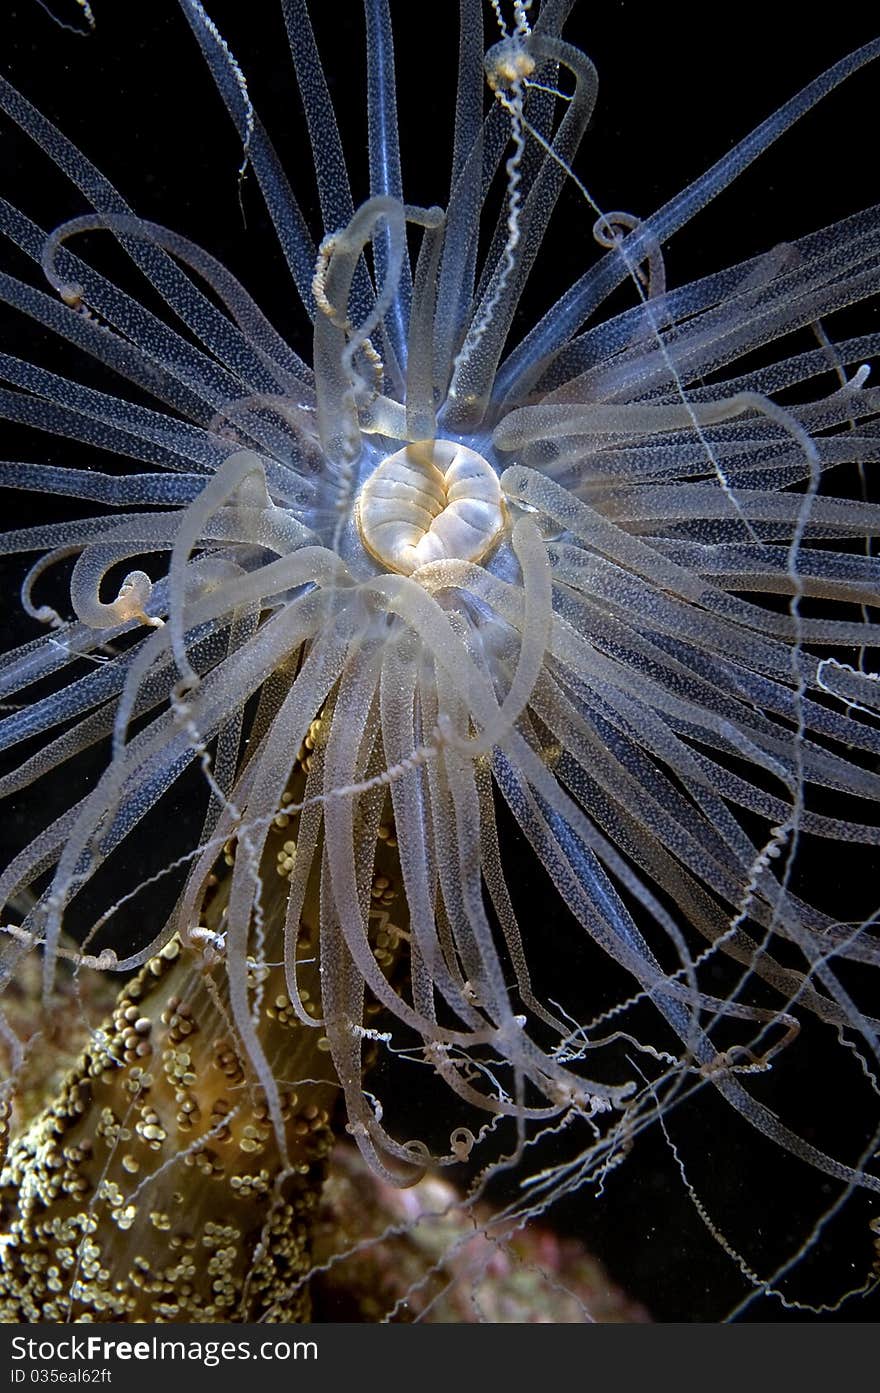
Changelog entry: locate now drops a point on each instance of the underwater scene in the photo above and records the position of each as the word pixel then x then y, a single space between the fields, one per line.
pixel 439 685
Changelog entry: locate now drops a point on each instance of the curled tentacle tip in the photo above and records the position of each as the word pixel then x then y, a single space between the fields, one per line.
pixel 508 62
pixel 72 295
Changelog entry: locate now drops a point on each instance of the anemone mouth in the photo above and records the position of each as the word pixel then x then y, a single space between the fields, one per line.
pixel 433 500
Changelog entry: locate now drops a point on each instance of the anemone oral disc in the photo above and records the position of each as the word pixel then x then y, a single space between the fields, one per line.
pixel 434 500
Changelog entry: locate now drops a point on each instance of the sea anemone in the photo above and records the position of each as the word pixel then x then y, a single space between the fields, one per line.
pixel 445 585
